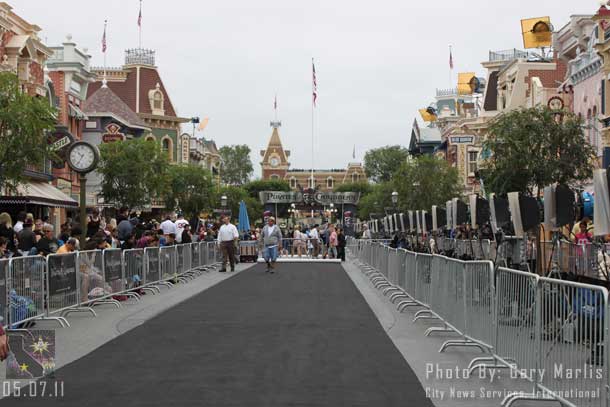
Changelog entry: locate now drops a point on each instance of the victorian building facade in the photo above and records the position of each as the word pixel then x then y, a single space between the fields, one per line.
pixel 138 84
pixel 275 165
pixel 23 53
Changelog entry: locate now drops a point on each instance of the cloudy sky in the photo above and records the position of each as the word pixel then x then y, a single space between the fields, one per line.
pixel 377 62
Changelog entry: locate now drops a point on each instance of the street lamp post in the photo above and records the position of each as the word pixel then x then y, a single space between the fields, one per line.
pixel 223 203
pixel 395 200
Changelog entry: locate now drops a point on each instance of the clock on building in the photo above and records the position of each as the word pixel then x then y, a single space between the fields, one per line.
pixel 83 157
pixel 274 161
pixel 555 103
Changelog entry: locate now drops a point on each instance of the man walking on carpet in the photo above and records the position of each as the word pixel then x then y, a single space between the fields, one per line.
pixel 227 237
pixel 271 236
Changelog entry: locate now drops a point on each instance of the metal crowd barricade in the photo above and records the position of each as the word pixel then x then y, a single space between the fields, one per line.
pixel 134 271
pixel 4 275
pixel 112 260
pixel 574 326
pixel 167 260
pixel 27 290
pixel 63 295
pixel 152 273
pixel 90 278
pixel 183 262
pixel 423 279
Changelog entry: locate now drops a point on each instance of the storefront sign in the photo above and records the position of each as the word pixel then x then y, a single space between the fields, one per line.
pixel 461 139
pixel 322 198
pixel 113 133
pixel 280 197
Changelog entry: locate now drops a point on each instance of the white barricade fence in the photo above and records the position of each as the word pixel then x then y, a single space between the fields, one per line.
pixel 551 332
pixel 4 292
pixel 167 259
pixel 112 261
pixel 134 273
pixel 195 257
pixel 90 276
pixel 152 272
pixel 62 284
pixel 573 330
pixel 26 289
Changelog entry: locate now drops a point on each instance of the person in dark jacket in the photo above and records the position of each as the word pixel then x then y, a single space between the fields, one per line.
pixel 48 244
pixel 27 238
pixel 341 244
pixel 6 230
pixel 186 234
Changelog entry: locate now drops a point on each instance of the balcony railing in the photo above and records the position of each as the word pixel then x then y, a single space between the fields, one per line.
pixel 507 55
pixel 446 92
pixel 139 56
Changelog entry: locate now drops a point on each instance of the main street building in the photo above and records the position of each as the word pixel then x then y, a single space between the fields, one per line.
pixel 275 165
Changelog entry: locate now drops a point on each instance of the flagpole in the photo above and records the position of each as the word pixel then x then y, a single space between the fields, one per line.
pixel 450 67
pixel 140 27
pixel 312 122
pixel 104 45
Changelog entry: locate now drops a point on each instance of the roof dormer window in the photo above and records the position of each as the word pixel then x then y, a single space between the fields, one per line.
pixel 156 99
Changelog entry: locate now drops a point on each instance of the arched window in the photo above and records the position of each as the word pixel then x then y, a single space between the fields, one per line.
pixel 158 101
pixel 293 182
pixel 274 177
pixel 168 146
pixel 330 183
pixel 150 137
pixel 355 177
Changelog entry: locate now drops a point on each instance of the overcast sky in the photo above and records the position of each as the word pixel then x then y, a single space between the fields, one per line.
pixel 377 62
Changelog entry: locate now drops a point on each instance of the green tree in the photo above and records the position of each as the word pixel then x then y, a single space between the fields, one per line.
pixel 234 195
pixel 133 172
pixel 363 187
pixel 237 166
pixel 191 191
pixel 381 163
pixel 425 181
pixel 254 187
pixel 376 200
pixel 529 148
pixel 24 125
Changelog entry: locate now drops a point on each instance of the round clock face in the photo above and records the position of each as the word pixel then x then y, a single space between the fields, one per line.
pixel 555 103
pixel 82 157
pixel 274 161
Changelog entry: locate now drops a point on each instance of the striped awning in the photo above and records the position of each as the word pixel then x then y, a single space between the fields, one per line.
pixel 39 193
pixel 77 113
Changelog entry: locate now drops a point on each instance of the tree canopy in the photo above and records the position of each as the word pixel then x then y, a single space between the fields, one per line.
pixel 237 166
pixel 425 181
pixel 133 172
pixel 380 163
pixel 529 148
pixel 24 125
pixel 191 189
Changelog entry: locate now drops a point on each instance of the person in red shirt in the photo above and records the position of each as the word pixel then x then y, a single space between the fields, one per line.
pixel 583 236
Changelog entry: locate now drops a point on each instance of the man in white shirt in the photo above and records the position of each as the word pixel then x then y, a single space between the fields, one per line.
pixel 315 241
pixel 366 233
pixel 168 227
pixel 180 222
pixel 227 237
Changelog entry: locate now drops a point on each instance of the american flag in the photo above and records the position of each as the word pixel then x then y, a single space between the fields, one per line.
pixel 104 39
pixel 315 83
pixel 140 15
pixel 450 58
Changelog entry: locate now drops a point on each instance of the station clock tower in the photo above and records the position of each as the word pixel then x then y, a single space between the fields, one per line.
pixel 275 163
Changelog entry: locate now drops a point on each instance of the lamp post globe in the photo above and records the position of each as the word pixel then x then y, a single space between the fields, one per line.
pixel 223 201
pixel 394 197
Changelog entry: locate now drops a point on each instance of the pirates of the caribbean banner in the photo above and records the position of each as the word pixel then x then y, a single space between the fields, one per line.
pixel 306 197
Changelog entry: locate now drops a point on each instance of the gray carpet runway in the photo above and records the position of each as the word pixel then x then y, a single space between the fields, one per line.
pixel 301 337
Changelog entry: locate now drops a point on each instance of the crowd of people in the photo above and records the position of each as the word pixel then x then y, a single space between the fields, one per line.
pixel 29 236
